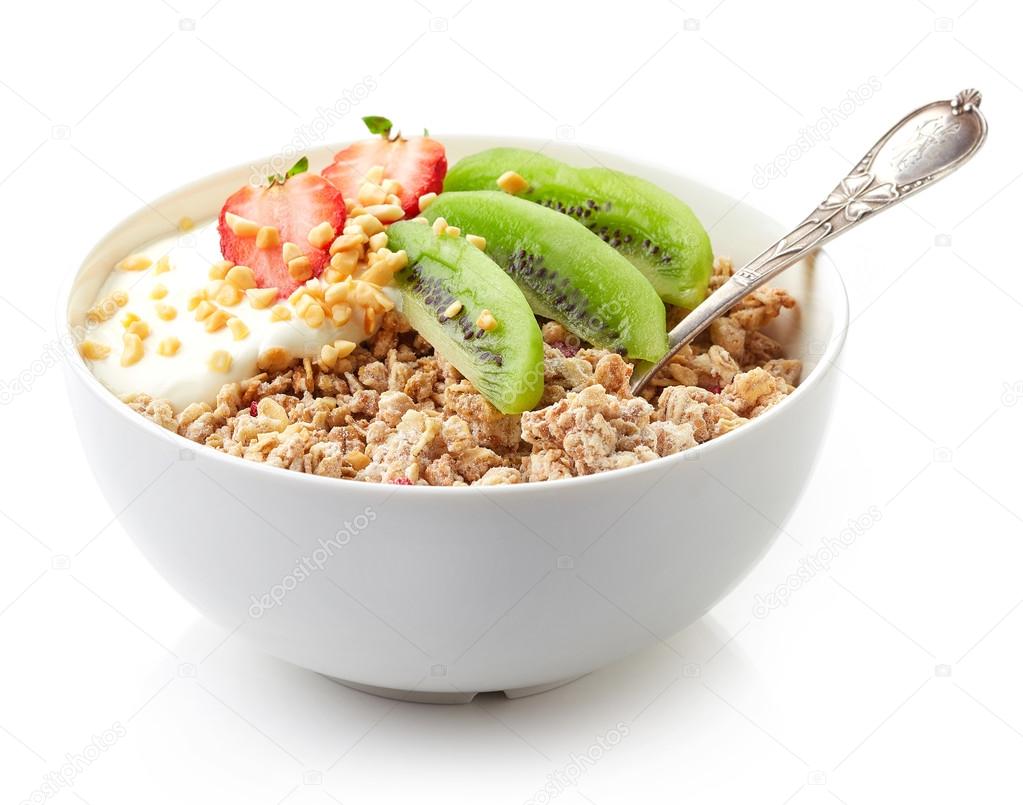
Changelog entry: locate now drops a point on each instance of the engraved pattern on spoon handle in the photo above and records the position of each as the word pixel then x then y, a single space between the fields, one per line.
pixel 858 196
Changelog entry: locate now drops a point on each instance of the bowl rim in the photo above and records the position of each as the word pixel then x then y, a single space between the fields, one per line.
pixel 76 364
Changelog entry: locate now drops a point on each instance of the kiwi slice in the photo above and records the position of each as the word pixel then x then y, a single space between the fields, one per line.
pixel 657 232
pixel 565 271
pixel 445 287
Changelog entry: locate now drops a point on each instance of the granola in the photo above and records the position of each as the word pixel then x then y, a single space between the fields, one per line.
pixel 394 411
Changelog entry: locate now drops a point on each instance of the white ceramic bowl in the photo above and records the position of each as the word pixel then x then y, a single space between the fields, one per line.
pixel 440 593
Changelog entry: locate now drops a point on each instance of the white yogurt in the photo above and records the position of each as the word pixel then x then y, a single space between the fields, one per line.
pixel 186 377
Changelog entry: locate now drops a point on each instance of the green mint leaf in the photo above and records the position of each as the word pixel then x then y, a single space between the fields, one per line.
pixel 378 125
pixel 299 167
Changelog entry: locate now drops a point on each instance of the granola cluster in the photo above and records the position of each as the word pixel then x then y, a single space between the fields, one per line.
pixel 393 411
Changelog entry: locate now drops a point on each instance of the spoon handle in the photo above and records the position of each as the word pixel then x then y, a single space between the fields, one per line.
pixel 926 145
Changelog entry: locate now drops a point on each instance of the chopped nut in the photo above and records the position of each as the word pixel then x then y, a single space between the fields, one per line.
pixel 378 241
pixel 341 314
pixel 165 311
pixel 511 182
pixel 453 231
pixel 352 240
pixel 392 187
pixel 168 346
pixel 269 407
pixel 290 251
pixel 328 355
pixel 425 199
pixel 314 315
pixel 321 235
pixel 344 348
pixel 241 277
pixel 376 274
pixel 238 328
pixel 93 350
pixel 379 300
pixel 477 241
pixel 280 313
pixel 162 265
pixel 375 174
pixel 369 295
pixel 338 292
pixel 159 291
pixel 383 270
pixel 220 361
pixel 133 350
pixel 486 320
pixel 358 459
pixel 140 328
pixel 439 226
pixel 228 295
pixel 453 309
pixel 345 262
pixel 369 224
pixel 314 288
pixel 219 269
pixel 135 262
pixel 242 227
pixel 303 303
pixel 261 298
pixel 369 320
pixel 297 294
pixel 216 320
pixel 196 299
pixel 203 310
pixel 300 269
pixel 273 359
pixel 267 237
pixel 420 219
pixel 371 193
pixel 128 319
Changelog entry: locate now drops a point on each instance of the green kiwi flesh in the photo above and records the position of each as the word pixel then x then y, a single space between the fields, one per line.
pixel 506 363
pixel 656 231
pixel 565 271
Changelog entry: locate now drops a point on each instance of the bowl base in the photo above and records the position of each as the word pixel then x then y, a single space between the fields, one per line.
pixel 447 697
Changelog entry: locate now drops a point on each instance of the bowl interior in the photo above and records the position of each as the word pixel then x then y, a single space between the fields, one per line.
pixel 811 333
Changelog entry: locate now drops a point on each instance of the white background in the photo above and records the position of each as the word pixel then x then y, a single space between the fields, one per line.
pixel 892 676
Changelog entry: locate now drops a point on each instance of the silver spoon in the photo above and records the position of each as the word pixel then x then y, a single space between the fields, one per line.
pixel 924 146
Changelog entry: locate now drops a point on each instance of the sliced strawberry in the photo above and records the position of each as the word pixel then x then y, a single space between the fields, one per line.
pixel 293 205
pixel 418 164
